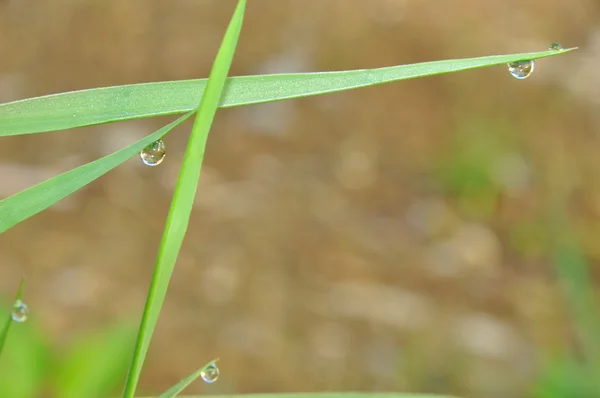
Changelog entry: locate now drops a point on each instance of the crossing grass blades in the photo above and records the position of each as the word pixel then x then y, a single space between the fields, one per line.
pixel 199 98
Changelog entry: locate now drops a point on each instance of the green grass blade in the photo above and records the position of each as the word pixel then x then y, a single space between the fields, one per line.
pixel 26 357
pixel 324 395
pixel 111 104
pixel 27 203
pixel 9 321
pixel 183 197
pixel 179 387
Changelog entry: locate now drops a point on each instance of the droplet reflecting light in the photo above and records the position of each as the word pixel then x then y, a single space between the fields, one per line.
pixel 20 311
pixel 154 154
pixel 555 47
pixel 210 374
pixel 521 69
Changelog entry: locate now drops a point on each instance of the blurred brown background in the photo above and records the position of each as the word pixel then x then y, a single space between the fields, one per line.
pixel 387 238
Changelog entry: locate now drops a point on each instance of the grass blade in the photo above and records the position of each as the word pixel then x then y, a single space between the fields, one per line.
pixel 183 197
pixel 27 203
pixel 9 321
pixel 324 395
pixel 111 104
pixel 179 387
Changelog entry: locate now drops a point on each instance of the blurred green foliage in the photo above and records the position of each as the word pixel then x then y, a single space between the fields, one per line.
pixel 565 377
pixel 467 169
pixel 466 173
pixel 93 365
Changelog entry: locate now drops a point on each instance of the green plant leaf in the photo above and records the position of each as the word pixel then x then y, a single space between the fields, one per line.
pixel 111 104
pixel 324 395
pixel 31 201
pixel 183 197
pixel 25 360
pixel 179 387
pixel 95 364
pixel 565 377
pixel 9 320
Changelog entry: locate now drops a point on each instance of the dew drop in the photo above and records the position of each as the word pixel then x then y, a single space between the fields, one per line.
pixel 210 374
pixel 19 311
pixel 555 47
pixel 154 154
pixel 521 69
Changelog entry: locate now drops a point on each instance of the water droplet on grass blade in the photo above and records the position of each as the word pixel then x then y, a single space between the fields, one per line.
pixel 521 69
pixel 555 47
pixel 154 154
pixel 210 374
pixel 19 311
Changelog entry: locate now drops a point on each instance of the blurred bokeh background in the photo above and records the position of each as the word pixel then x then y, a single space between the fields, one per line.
pixel 433 235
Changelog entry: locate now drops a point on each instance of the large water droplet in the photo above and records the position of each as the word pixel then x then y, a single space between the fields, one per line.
pixel 154 154
pixel 555 47
pixel 210 374
pixel 19 311
pixel 521 69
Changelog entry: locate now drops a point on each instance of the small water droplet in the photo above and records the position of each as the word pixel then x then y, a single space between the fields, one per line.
pixel 154 154
pixel 210 374
pixel 521 69
pixel 555 47
pixel 19 311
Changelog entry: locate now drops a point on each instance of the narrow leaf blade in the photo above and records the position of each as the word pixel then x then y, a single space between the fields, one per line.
pixel 29 202
pixel 324 395
pixel 179 387
pixel 26 356
pixel 112 104
pixel 183 197
pixel 9 321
